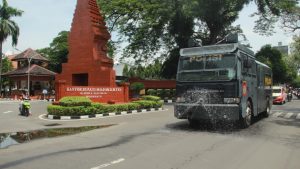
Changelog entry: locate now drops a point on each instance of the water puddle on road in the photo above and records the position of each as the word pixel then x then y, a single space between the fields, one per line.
pixel 8 139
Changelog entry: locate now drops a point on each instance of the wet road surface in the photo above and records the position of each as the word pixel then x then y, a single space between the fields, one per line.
pixel 158 140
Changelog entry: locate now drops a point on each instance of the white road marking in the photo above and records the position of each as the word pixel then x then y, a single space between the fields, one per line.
pixel 298 116
pixel 277 114
pixel 288 115
pixel 7 112
pixel 109 164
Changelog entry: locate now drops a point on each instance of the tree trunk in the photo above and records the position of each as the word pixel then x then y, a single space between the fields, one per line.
pixel 0 70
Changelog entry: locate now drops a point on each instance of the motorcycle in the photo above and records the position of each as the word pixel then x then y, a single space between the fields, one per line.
pixel 290 96
pixel 25 108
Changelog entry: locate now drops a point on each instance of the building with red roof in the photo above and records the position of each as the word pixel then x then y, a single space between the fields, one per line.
pixel 30 64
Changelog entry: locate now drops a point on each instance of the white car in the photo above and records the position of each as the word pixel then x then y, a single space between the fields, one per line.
pixel 279 95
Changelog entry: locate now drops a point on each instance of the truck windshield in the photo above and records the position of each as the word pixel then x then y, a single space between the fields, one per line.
pixel 207 68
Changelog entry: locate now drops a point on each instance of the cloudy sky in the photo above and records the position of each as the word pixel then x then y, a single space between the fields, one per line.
pixel 44 19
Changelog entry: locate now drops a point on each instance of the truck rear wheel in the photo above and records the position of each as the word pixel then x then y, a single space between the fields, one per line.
pixel 268 109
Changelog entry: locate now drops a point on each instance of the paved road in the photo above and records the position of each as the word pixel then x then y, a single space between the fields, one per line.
pixel 156 140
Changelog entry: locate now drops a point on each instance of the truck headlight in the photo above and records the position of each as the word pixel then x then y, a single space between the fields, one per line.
pixel 232 100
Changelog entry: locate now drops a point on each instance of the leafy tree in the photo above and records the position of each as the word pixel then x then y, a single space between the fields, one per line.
pixel 294 59
pixel 7 28
pixel 126 71
pixel 6 67
pixel 296 82
pixel 292 67
pixel 136 87
pixel 131 72
pixel 154 27
pixel 296 50
pixel 273 58
pixel 152 71
pixel 272 11
pixel 58 51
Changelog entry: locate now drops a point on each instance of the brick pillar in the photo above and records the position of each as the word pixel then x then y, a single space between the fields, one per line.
pixel 126 91
pixel 59 89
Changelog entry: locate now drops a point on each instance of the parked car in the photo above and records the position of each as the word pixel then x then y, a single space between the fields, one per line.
pixel 279 95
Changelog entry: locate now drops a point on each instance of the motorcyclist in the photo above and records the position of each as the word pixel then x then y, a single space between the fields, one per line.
pixel 24 107
pixel 289 93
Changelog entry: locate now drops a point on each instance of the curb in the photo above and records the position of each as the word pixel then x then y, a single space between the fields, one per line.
pixel 52 117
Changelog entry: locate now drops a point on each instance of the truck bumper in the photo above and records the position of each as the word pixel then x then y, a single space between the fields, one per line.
pixel 229 112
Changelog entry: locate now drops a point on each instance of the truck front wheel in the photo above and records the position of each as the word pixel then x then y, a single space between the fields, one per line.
pixel 193 123
pixel 247 120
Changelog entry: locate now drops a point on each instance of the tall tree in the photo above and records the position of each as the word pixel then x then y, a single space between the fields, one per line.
pixel 164 27
pixel 7 28
pixel 6 67
pixel 272 11
pixel 296 49
pixel 294 59
pixel 58 51
pixel 273 58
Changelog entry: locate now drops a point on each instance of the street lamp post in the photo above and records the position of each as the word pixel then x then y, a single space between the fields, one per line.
pixel 28 77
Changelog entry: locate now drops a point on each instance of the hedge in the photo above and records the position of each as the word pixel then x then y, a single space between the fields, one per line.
pixel 162 93
pixel 71 101
pixel 152 98
pixel 97 108
pixel 58 110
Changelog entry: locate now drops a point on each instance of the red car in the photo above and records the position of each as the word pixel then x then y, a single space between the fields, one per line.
pixel 279 95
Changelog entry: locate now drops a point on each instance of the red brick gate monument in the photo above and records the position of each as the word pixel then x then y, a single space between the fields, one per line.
pixel 89 72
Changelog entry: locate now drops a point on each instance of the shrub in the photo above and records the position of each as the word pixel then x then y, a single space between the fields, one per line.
pixel 158 104
pixel 133 106
pixel 159 93
pixel 145 104
pixel 121 107
pixel 173 92
pixel 97 105
pixel 163 93
pixel 97 108
pixel 108 108
pixel 152 98
pixel 137 86
pixel 72 101
pixel 90 110
pixel 167 93
pixel 54 109
pixel 151 92
pixel 66 111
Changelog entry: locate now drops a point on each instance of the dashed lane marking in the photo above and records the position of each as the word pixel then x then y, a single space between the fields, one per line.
pixel 109 164
pixel 7 112
pixel 277 114
pixel 288 115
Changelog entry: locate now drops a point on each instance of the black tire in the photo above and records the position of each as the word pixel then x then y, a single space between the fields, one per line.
pixel 193 123
pixel 247 120
pixel 26 112
pixel 267 112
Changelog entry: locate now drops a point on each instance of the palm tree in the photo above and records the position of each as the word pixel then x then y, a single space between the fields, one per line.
pixel 7 28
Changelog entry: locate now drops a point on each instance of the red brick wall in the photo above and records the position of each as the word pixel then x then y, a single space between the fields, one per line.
pixel 95 93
